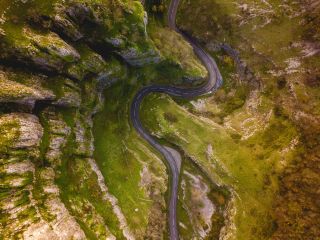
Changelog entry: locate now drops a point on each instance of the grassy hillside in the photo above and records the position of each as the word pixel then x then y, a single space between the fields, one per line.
pixel 262 125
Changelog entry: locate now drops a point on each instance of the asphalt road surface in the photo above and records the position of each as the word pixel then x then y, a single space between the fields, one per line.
pixel 214 81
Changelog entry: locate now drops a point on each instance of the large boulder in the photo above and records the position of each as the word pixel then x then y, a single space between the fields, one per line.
pixel 12 91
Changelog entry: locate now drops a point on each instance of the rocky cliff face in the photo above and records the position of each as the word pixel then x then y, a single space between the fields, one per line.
pixel 56 60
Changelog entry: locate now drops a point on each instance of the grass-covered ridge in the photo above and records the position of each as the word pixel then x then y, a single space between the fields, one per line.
pixel 177 51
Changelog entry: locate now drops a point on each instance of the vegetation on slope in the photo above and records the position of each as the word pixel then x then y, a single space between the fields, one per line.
pixel 255 142
pixel 268 105
pixel 82 179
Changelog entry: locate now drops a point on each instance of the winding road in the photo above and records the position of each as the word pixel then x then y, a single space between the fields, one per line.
pixel 214 82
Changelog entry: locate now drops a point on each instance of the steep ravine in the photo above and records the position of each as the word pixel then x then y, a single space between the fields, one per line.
pixel 71 165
